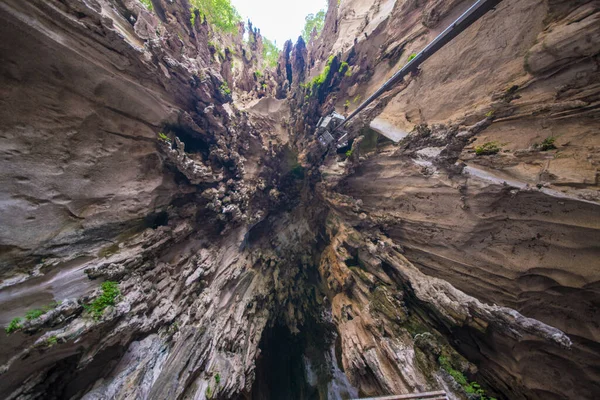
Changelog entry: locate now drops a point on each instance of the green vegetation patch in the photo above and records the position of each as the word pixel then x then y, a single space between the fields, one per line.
pixel 318 80
pixel 14 325
pixel 349 153
pixel 224 88
pixel 313 21
pixel 221 14
pixel 411 57
pixel 488 148
pixel 548 144
pixel 51 341
pixel 270 53
pixel 470 387
pixel 148 4
pixel 164 138
pixel 33 314
pixel 108 297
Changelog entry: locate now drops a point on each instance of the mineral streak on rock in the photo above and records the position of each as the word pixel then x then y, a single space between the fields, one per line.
pixel 171 228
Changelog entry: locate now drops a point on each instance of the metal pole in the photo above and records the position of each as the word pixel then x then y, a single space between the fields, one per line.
pixel 476 11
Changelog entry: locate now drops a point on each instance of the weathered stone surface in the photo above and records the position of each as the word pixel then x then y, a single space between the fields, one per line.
pixel 136 152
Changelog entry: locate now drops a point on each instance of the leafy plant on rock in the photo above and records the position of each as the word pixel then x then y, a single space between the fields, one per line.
pixel 108 297
pixel 14 325
pixel 148 4
pixel 548 144
pixel 224 88
pixel 487 148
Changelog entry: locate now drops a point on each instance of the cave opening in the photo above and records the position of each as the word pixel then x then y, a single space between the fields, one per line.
pixel 280 372
pixel 302 365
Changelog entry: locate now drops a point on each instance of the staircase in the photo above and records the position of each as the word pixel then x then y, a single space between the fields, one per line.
pixel 439 395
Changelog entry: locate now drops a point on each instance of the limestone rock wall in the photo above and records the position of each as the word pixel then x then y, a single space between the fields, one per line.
pixel 461 255
pixel 514 229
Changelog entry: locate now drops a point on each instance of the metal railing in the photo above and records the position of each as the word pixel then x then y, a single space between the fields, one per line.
pixel 476 11
pixel 438 395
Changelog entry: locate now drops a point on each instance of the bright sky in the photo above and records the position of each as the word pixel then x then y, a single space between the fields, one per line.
pixel 278 20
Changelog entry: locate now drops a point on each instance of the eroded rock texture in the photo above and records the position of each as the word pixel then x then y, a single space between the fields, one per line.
pixel 142 148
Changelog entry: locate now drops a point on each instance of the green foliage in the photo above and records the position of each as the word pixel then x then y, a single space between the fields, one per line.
pixel 14 325
pixel 208 392
pixel 164 138
pixel 411 57
pixel 313 21
pixel 108 297
pixel 147 4
pixel 224 88
pixel 347 104
pixel 319 79
pixel 343 67
pixel 471 388
pixel 548 144
pixel 489 114
pixel 51 341
pixel 218 378
pixel 356 98
pixel 349 153
pixel 194 12
pixel 457 375
pixel 219 13
pixel 270 53
pixel 33 314
pixel 258 74
pixel 487 148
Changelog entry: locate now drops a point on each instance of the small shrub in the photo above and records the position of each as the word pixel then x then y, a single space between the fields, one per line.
pixel 194 13
pixel 455 374
pixel 224 88
pixel 319 79
pixel 347 103
pixel 548 144
pixel 33 314
pixel 218 379
pixel 356 98
pixel 208 392
pixel 14 325
pixel 258 74
pixel 487 149
pixel 51 341
pixel 489 114
pixel 108 297
pixel 147 4
pixel 411 57
pixel 349 153
pixel 163 137
pixel 343 67
pixel 470 388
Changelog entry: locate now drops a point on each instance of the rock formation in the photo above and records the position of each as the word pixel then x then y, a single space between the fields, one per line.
pixel 171 229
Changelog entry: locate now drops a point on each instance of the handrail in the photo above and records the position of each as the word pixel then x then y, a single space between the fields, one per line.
pixel 425 395
pixel 476 11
